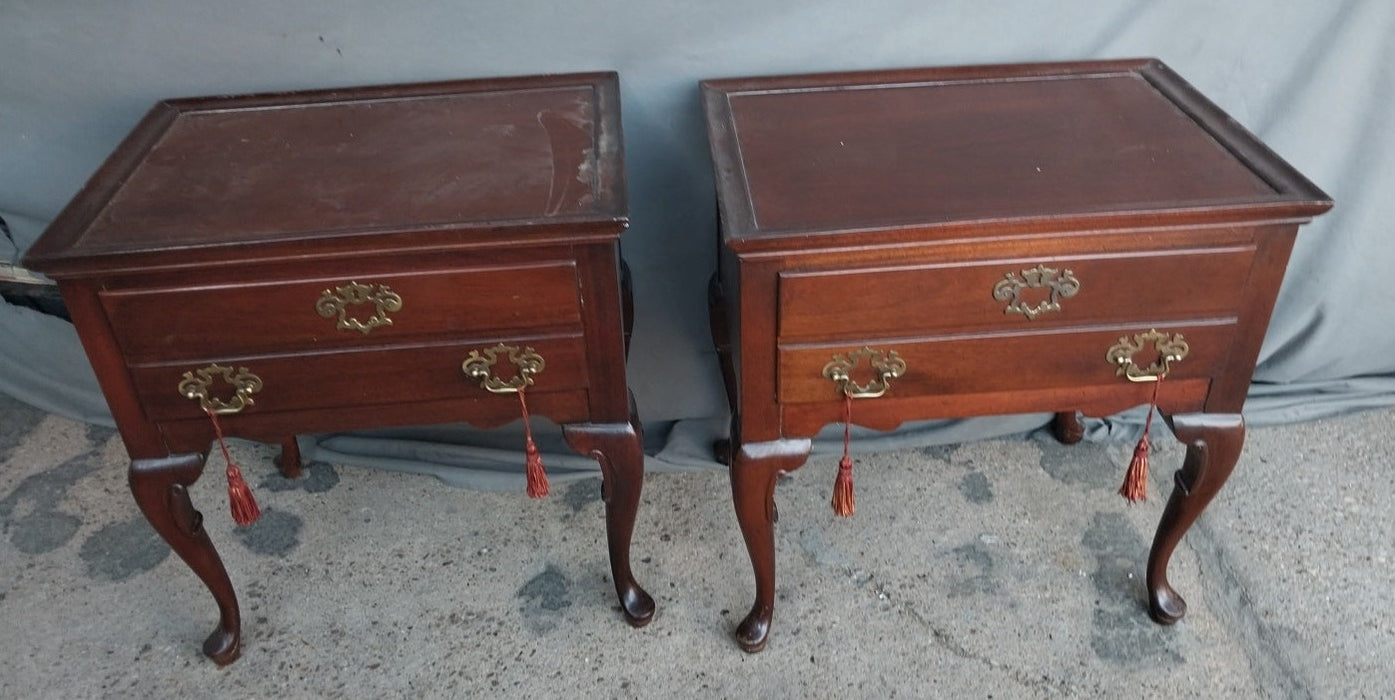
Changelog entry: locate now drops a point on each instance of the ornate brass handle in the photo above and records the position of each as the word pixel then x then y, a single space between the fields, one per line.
pixel 1171 347
pixel 335 303
pixel 195 384
pixel 1062 283
pixel 888 365
pixel 479 363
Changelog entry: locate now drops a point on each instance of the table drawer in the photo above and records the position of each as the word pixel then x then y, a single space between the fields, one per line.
pixel 1012 294
pixel 993 362
pixel 377 377
pixel 375 308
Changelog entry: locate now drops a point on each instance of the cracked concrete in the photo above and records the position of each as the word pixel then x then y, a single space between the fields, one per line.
pixel 1005 568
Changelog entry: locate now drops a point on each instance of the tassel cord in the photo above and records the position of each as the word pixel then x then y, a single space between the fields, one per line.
pixel 844 504
pixel 847 425
pixel 534 472
pixel 1152 406
pixel 523 407
pixel 222 444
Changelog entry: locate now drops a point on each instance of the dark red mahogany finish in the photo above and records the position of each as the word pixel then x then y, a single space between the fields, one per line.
pixel 907 211
pixel 491 209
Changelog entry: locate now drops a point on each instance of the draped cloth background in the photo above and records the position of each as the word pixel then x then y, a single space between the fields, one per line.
pixel 1315 79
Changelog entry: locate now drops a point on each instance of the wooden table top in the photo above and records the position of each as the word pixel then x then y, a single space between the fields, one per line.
pixel 1027 146
pixel 479 155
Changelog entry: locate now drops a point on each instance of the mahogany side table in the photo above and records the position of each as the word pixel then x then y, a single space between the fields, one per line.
pixel 345 259
pixel 952 242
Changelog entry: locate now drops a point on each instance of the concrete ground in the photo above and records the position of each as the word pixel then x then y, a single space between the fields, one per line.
pixel 997 569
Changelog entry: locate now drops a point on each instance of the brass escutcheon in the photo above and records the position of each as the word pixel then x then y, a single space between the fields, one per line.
pixel 336 302
pixel 1062 283
pixel 1171 347
pixel 478 363
pixel 888 365
pixel 195 384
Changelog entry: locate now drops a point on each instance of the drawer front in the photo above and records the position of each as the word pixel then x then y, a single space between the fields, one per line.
pixel 414 374
pixel 1012 294
pixel 343 312
pixel 985 363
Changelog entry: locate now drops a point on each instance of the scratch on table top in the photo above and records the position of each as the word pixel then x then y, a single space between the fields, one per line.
pixel 570 150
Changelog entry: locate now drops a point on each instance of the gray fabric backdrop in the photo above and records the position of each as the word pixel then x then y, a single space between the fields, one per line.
pixel 1313 78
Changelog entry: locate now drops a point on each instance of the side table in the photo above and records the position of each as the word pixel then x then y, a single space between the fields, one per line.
pixel 331 260
pixel 984 240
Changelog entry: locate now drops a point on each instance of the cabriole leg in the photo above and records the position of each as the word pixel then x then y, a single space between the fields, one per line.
pixel 619 448
pixel 1213 446
pixel 161 488
pixel 753 473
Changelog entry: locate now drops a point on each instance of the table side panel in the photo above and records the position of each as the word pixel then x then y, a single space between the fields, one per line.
pixel 602 322
pixel 1261 293
pixel 139 436
pixel 754 308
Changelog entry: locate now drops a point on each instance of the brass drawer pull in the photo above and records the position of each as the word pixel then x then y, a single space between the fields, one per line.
pixel 1062 283
pixel 1171 347
pixel 195 384
pixel 478 363
pixel 888 365
pixel 335 303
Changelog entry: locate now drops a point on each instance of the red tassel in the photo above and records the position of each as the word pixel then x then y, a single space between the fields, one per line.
pixel 240 501
pixel 244 507
pixel 1135 487
pixel 843 502
pixel 537 478
pixel 844 505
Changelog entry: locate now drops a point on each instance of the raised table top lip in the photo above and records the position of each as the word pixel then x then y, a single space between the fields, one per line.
pixel 78 241
pixel 1281 192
